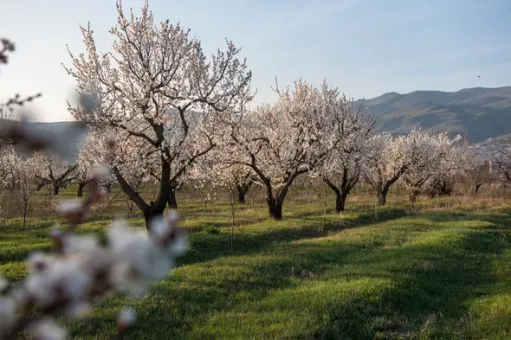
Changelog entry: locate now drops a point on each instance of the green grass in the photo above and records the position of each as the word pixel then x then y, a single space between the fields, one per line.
pixel 432 273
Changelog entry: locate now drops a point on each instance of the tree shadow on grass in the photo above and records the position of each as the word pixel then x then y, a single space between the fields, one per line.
pixel 206 246
pixel 426 290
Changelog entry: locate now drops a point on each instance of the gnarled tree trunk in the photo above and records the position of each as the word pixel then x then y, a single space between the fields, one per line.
pixel 340 201
pixel 342 192
pixel 477 187
pixel 275 208
pixel 383 189
pixel 275 202
pixel 242 191
pixel 79 193
pixel 153 208
pixel 172 202
pixel 382 198
pixel 108 187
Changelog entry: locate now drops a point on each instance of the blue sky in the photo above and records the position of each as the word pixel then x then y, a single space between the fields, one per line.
pixel 365 47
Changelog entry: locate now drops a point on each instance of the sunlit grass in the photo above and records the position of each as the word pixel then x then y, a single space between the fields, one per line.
pixel 439 270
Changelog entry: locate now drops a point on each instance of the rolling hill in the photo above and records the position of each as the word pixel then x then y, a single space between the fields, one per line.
pixel 477 113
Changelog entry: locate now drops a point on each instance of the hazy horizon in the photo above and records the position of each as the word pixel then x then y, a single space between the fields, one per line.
pixel 365 47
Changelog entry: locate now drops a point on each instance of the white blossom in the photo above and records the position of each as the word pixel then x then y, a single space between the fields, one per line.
pixel 48 330
pixel 68 207
pixel 76 244
pixel 127 317
pixel 7 312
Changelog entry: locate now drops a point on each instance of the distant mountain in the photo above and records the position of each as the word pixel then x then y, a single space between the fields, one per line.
pixel 477 113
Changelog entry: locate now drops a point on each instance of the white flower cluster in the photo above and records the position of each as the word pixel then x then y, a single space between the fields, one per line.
pixel 82 271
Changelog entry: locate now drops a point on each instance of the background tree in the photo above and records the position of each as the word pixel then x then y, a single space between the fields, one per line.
pixel 157 86
pixel 502 160
pixel 18 177
pixel 387 160
pixel 50 168
pixel 431 151
pixel 450 169
pixel 341 170
pixel 478 167
pixel 282 141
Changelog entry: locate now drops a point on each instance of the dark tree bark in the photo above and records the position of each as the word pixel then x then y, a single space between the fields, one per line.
pixel 172 203
pixel 56 188
pixel 344 189
pixel 382 188
pixel 42 182
pixel 383 192
pixel 275 209
pixel 108 187
pixel 276 202
pixel 79 193
pixel 81 186
pixel 242 191
pixel 25 211
pixel 340 201
pixel 477 187
pixel 442 188
pixel 153 208
pixel 382 198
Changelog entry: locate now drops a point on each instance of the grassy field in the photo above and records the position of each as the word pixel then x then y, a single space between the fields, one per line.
pixel 438 271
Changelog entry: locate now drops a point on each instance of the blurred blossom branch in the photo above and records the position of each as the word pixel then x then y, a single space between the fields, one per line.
pixel 80 270
pixel 7 46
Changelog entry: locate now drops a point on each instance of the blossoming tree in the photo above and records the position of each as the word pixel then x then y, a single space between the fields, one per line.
pixel 341 171
pixel 156 85
pixel 51 169
pixel 18 177
pixel 282 141
pixel 502 160
pixel 478 167
pixel 431 150
pixel 387 160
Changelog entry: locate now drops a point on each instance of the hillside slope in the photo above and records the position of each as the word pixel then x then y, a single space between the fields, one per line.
pixel 477 113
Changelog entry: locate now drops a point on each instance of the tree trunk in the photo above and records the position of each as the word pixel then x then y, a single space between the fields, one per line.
pixel 413 196
pixel 25 212
pixel 242 191
pixel 382 198
pixel 275 209
pixel 476 188
pixel 56 189
pixel 275 202
pixel 108 188
pixel 445 188
pixel 154 208
pixel 340 194
pixel 340 201
pixel 79 193
pixel 172 202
